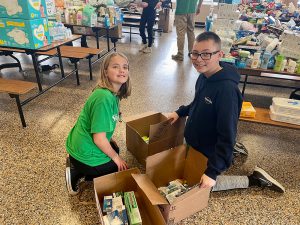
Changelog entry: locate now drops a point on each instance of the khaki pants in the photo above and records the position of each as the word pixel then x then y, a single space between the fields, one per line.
pixel 185 24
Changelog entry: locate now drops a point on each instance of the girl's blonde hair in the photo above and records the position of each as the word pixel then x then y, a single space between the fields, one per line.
pixel 104 82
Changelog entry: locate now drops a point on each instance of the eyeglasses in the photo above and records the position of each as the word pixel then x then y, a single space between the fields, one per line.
pixel 203 55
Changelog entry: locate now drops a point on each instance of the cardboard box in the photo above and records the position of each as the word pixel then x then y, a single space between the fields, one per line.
pixel 122 182
pixel 21 33
pixel 178 163
pixel 166 20
pixel 162 135
pixel 23 9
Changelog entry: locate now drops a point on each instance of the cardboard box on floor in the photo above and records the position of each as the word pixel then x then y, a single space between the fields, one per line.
pixel 177 163
pixel 166 20
pixel 123 182
pixel 162 135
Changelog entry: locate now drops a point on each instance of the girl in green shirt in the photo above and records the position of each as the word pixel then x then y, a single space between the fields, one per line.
pixel 92 152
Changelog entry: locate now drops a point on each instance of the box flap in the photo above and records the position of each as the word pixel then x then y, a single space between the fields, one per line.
pixel 142 125
pixel 164 129
pixel 195 166
pixel 115 182
pixel 157 131
pixel 149 189
pixel 166 166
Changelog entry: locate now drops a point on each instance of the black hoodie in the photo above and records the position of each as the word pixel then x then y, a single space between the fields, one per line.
pixel 213 115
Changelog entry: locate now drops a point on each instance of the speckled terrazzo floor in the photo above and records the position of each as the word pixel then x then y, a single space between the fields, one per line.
pixel 33 159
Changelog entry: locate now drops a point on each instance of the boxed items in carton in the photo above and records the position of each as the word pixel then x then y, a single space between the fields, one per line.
pixel 21 33
pixel 247 110
pixel 123 182
pixel 115 209
pixel 162 135
pixel 23 9
pixel 285 110
pixel 178 163
pixel 132 208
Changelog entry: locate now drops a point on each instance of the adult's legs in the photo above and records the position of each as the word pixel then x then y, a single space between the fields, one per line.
pixel 150 24
pixel 142 28
pixel 181 28
pixel 190 30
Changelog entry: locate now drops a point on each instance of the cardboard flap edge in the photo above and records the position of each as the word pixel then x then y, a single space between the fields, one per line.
pixel 152 193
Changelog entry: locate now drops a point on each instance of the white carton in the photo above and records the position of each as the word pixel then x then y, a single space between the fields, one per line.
pixel 286 106
pixel 284 117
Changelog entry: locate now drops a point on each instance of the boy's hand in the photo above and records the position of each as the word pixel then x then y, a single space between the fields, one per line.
pixel 143 5
pixel 158 5
pixel 207 182
pixel 174 116
pixel 122 165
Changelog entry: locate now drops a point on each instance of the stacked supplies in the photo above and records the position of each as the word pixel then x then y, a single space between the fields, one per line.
pixel 115 209
pixel 285 110
pixel 174 189
pixel 118 213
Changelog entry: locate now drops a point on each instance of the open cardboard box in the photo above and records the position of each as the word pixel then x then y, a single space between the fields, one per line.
pixel 123 181
pixel 161 168
pixel 162 135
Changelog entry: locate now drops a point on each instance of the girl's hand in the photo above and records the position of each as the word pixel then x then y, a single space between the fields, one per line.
pixel 174 116
pixel 122 165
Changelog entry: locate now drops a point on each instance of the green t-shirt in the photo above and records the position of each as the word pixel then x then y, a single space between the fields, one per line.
pixel 186 6
pixel 99 114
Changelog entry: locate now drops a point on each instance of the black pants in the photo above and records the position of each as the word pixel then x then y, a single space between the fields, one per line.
pixel 148 19
pixel 89 172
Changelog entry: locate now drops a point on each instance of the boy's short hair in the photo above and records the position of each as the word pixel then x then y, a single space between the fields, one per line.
pixel 205 36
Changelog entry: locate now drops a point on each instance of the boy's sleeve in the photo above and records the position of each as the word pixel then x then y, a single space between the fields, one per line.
pixel 101 116
pixel 228 110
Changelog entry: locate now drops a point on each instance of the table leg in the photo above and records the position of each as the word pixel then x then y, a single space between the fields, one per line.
pixel 97 41
pixel 60 63
pixel 244 86
pixel 36 70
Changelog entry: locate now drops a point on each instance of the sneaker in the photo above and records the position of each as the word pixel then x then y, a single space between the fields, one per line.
pixel 144 46
pixel 72 183
pixel 147 50
pixel 177 57
pixel 266 180
pixel 240 149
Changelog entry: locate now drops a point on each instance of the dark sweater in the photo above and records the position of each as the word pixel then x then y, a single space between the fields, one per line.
pixel 213 115
pixel 150 9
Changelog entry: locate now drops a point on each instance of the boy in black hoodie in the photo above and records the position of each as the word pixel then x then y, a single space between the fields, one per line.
pixel 213 115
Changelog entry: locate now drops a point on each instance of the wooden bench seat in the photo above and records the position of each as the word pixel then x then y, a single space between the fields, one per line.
pixel 12 50
pixel 262 116
pixel 15 88
pixel 78 53
pixel 91 51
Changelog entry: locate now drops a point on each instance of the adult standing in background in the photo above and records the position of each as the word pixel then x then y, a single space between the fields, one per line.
pixel 185 23
pixel 148 18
